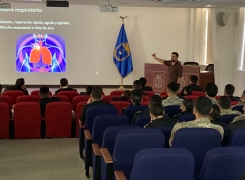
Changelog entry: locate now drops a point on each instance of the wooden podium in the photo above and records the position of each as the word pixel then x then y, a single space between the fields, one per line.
pixel 157 76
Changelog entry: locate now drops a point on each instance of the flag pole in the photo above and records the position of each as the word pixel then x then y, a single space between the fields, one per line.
pixel 121 87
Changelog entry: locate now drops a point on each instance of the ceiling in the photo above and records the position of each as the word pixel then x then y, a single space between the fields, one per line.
pixel 152 3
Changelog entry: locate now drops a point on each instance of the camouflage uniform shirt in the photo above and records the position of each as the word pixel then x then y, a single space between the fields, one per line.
pixel 229 111
pixel 172 101
pixel 239 118
pixel 198 123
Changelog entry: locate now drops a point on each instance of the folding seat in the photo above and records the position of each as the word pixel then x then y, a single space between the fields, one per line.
pixel 198 141
pixel 142 120
pixel 186 117
pixel 7 100
pixel 234 103
pixel 239 108
pixel 101 122
pixel 145 98
pixel 164 93
pixel 36 93
pixel 131 110
pixel 167 133
pixel 160 163
pixel 27 98
pixel 69 94
pixel 198 93
pixel 79 109
pixel 128 143
pixel 78 99
pixel 117 92
pixel 217 97
pixel 4 120
pixel 13 94
pixel 58 119
pixel 172 110
pixel 27 120
pixel 227 118
pixel 144 103
pixel 149 93
pixel 107 98
pixel 223 163
pixel 63 98
pixel 192 97
pixel 237 137
pixel 120 105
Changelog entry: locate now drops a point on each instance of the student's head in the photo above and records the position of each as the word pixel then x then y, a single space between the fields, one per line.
pixel 229 90
pixel 224 102
pixel 211 90
pixel 215 114
pixel 89 90
pixel 193 79
pixel 20 82
pixel 97 93
pixel 187 105
pixel 202 107
pixel 44 92
pixel 143 81
pixel 127 94
pixel 156 110
pixel 155 99
pixel 187 91
pixel 63 82
pixel 243 96
pixel 174 56
pixel 173 88
pixel 137 85
pixel 136 97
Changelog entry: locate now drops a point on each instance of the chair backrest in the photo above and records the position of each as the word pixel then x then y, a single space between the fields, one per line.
pixel 198 141
pixel 117 92
pixel 13 94
pixel 63 98
pixel 198 93
pixel 234 103
pixel 107 98
pixel 167 133
pixel 223 163
pixel 172 110
pixel 227 118
pixel 36 93
pixel 210 67
pixel 149 93
pixel 78 99
pixel 163 163
pixel 27 98
pixel 164 93
pixel 144 103
pixel 58 118
pixel 191 63
pixel 27 120
pixel 129 142
pixel 120 105
pixel 4 120
pixel 145 98
pixel 142 120
pixel 69 94
pixel 131 110
pixel 186 117
pixel 239 108
pixel 101 122
pixel 78 114
pixel 7 100
pixel 192 97
pixel 237 137
pixel 94 111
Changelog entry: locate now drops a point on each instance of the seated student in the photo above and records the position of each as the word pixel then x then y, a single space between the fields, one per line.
pixel 95 100
pixel 19 85
pixel 242 100
pixel 45 99
pixel 136 97
pixel 238 122
pixel 137 87
pixel 158 117
pixel 64 86
pixel 154 99
pixel 126 96
pixel 202 108
pixel 229 91
pixel 172 98
pixel 143 82
pixel 88 91
pixel 211 91
pixel 186 108
pixel 186 91
pixel 224 105
pixel 193 86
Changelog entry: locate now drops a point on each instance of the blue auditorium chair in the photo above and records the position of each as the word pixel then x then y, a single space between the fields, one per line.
pixel 186 117
pixel 237 137
pixel 227 118
pixel 172 110
pixel 131 110
pixel 238 108
pixel 142 120
pixel 167 133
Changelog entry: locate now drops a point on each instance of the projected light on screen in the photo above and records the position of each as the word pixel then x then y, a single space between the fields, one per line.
pixel 40 53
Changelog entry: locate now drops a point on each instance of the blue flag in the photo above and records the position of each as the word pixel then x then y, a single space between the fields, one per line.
pixel 122 56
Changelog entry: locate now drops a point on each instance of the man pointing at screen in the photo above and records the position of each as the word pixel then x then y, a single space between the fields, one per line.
pixel 175 68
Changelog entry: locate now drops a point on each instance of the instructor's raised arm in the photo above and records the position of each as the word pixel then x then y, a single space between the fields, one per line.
pixel 157 59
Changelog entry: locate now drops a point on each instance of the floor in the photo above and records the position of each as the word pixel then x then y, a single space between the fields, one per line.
pixel 41 159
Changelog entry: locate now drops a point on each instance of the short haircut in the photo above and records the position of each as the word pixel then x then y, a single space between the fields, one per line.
pixel 224 102
pixel 156 109
pixel 143 81
pixel 211 89
pixel 177 54
pixel 203 105
pixel 89 89
pixel 127 94
pixel 215 114
pixel 44 90
pixel 189 104
pixel 193 79
pixel 229 89
pixel 20 82
pixel 155 99
pixel 63 82
pixel 137 85
pixel 136 96
pixel 173 87
pixel 97 93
